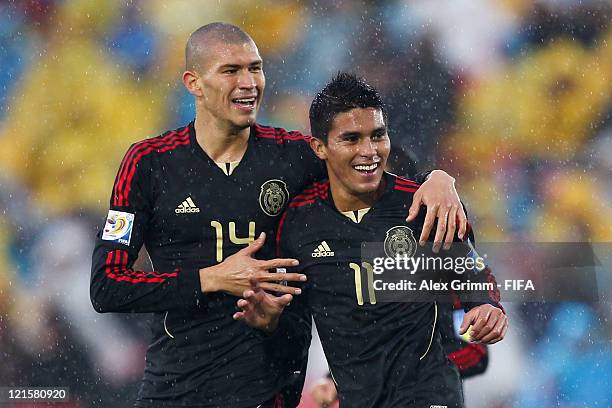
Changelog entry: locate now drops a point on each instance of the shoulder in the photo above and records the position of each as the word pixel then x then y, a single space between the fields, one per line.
pixel 161 145
pixel 167 141
pixel 304 203
pixel 279 135
pixel 402 189
pixel 300 210
pixel 317 191
pixel 403 184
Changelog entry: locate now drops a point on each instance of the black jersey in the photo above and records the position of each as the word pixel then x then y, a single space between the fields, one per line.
pixel 191 213
pixel 379 353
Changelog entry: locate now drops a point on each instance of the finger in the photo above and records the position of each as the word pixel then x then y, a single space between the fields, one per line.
pixel 248 294
pixel 416 205
pixel 451 227
pixel 481 318
pixel 441 230
pixel 278 263
pixel 428 224
pixel 468 319
pixel 462 222
pixel 485 323
pixel 255 296
pixel 245 307
pixel 496 332
pixel 279 277
pixel 504 330
pixel 284 300
pixel 255 245
pixel 281 288
pixel 254 283
pixel 238 316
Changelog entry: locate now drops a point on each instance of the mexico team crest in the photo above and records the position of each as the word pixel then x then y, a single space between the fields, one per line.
pixel 400 241
pixel 273 197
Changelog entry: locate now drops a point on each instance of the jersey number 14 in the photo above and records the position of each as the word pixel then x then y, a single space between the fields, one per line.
pixel 233 237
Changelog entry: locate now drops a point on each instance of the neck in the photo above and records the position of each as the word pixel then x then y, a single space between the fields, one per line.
pixel 345 200
pixel 222 142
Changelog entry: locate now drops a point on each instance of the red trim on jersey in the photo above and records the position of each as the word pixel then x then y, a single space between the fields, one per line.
pixel 403 184
pixel 127 169
pixel 317 187
pixel 279 134
pixel 309 195
pixel 116 268
pixel 128 185
pixel 405 181
pixel 406 189
pixel 469 356
pixel 158 141
pixel 278 401
pixel 456 301
pixel 295 204
pixel 170 139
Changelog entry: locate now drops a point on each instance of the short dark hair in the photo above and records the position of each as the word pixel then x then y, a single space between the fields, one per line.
pixel 204 36
pixel 344 92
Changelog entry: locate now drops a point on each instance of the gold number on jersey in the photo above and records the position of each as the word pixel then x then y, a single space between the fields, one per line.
pixel 358 289
pixel 233 237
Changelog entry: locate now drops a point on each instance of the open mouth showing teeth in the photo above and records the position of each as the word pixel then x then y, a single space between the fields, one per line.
pixel 366 167
pixel 244 101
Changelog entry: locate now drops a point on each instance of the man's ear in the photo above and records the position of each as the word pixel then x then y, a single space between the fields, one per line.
pixel 318 147
pixel 192 83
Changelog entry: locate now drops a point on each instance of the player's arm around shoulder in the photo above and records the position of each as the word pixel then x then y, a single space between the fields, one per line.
pixel 439 195
pixel 486 321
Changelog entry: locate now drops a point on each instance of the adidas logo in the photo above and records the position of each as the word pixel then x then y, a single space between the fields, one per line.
pixel 187 206
pixel 322 250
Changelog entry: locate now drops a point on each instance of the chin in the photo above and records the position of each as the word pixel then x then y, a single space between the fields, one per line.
pixel 244 122
pixel 368 188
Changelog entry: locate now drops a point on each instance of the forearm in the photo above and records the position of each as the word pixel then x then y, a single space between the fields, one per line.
pixel 116 287
pixel 489 294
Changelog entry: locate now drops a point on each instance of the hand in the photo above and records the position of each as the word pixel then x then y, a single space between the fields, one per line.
pixel 324 392
pixel 438 193
pixel 489 324
pixel 260 309
pixel 233 274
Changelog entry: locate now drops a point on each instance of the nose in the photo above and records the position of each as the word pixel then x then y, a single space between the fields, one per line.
pixel 246 80
pixel 368 148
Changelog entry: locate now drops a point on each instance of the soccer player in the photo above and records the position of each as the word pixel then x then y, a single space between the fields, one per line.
pixel 201 199
pixel 380 354
pixel 471 359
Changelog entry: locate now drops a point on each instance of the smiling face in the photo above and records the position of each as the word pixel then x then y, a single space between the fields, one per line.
pixel 230 84
pixel 356 151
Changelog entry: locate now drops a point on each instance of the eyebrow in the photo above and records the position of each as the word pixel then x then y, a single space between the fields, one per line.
pixel 347 134
pixel 378 130
pixel 238 66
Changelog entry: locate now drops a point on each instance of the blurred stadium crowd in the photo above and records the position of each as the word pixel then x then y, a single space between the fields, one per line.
pixel 512 97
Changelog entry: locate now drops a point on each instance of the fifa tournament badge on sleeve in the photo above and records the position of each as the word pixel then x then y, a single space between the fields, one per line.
pixel 118 227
